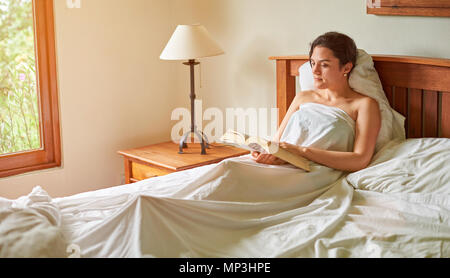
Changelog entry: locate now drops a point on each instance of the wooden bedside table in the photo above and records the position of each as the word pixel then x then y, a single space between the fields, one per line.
pixel 163 158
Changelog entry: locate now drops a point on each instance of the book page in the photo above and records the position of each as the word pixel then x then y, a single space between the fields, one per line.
pixel 233 137
pixel 274 149
pixel 258 144
pixel 257 147
pixel 253 143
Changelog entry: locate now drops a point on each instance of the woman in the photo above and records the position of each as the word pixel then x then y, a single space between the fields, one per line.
pixel 332 58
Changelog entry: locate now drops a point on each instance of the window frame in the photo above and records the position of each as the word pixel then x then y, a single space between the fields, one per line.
pixel 49 155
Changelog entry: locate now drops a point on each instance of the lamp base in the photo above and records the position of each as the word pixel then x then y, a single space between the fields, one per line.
pixel 200 135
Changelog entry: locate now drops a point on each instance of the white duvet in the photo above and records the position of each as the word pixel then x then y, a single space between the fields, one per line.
pixel 397 207
pixel 400 208
pixel 236 208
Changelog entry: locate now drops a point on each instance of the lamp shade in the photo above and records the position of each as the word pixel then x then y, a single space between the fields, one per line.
pixel 190 42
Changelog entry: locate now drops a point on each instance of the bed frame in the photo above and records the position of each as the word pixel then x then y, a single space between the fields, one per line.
pixel 416 87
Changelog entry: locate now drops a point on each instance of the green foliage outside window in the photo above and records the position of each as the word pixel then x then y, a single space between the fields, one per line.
pixel 19 110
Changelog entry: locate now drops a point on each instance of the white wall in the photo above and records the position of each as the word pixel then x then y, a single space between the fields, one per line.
pixel 115 93
pixel 252 30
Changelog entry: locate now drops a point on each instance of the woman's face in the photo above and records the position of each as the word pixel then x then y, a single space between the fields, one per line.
pixel 326 69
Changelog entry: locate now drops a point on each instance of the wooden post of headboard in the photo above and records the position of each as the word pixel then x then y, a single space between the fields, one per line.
pixel 285 88
pixel 287 70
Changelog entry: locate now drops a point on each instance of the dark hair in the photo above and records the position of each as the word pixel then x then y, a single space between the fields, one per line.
pixel 342 46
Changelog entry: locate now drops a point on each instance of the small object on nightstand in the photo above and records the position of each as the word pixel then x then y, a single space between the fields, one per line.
pixel 162 159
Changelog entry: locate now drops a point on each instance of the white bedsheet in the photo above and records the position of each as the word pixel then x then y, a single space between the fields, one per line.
pixel 402 218
pixel 397 207
pixel 145 221
pixel 236 208
pixel 401 205
pixel 411 166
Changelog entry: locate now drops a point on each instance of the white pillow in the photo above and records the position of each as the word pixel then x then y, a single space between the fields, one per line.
pixel 364 80
pixel 306 78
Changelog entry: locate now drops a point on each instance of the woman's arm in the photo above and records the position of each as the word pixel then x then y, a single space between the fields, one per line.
pixel 268 158
pixel 368 124
pixel 294 106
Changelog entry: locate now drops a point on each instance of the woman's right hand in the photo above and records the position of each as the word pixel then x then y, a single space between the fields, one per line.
pixel 267 158
pixel 255 154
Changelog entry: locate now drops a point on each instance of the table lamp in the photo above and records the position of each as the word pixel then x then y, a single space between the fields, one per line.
pixel 190 42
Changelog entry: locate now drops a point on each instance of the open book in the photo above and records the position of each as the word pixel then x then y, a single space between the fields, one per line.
pixel 253 143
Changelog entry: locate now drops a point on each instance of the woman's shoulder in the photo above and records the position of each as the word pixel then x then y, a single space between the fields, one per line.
pixel 365 101
pixel 361 100
pixel 365 105
pixel 307 96
pixel 362 104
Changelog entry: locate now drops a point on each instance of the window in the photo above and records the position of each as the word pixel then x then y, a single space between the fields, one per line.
pixel 408 7
pixel 29 116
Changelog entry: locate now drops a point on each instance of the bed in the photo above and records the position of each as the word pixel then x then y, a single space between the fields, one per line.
pixel 399 206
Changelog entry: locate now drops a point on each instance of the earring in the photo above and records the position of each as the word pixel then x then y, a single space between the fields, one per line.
pixel 345 74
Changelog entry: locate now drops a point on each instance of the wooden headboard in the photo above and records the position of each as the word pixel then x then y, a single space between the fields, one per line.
pixel 416 87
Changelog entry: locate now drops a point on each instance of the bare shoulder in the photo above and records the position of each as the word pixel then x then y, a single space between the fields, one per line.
pixel 306 96
pixel 366 102
pixel 367 106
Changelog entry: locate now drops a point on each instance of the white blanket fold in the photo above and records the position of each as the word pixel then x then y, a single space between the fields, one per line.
pixel 30 227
